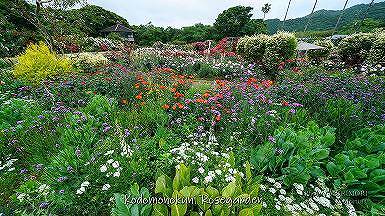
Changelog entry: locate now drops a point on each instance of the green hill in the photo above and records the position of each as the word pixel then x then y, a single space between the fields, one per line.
pixel 326 19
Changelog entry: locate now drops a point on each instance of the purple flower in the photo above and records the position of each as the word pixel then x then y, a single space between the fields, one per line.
pixel 43 205
pixel 78 152
pixel 23 171
pixel 62 179
pixel 41 117
pixel 127 133
pixel 19 122
pixel 106 129
pixel 293 111
pixel 61 191
pixel 70 169
pixel 271 139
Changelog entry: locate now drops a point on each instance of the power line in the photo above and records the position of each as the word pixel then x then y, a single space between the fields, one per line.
pixel 287 11
pixel 339 18
pixel 365 15
pixel 311 15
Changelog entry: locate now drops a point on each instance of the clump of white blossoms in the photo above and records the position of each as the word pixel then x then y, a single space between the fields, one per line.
pixel 8 163
pixel 111 168
pixel 301 200
pixel 203 153
pixel 83 187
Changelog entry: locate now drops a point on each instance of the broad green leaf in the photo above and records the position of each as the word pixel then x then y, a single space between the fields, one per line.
pixel 229 190
pixel 246 212
pixel 248 172
pixel 121 208
pixel 321 154
pixel 135 190
pixel 178 209
pixel 160 210
pixel 212 192
pixel 163 185
pixel 182 178
pixel 208 213
pixel 333 169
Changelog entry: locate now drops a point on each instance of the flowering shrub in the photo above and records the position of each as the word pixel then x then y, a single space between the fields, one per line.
pixel 87 61
pixel 322 54
pixel 38 62
pixel 377 52
pixel 354 49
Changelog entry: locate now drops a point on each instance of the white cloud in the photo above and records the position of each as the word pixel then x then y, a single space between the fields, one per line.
pixel 178 13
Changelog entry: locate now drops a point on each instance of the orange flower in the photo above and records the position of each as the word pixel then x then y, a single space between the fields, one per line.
pixel 174 107
pixel 162 87
pixel 181 106
pixel 173 90
pixel 206 95
pixel 137 85
pixel 218 118
pixel 285 103
pixel 166 106
pixel 178 95
pixel 200 100
pixel 124 101
pixel 139 96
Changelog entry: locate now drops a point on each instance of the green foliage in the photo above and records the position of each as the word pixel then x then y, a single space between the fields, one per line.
pixel 255 48
pixel 15 110
pixel 318 55
pixel 325 20
pixel 361 167
pixel 355 49
pixel 377 52
pixel 124 209
pixel 270 51
pixel 38 63
pixel 207 199
pixel 231 21
pixel 299 155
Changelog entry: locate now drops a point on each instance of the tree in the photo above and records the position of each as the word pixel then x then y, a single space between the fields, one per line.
pixel 231 21
pixel 254 27
pixel 44 14
pixel 266 9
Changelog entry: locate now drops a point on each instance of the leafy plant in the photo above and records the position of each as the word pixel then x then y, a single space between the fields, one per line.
pixel 208 199
pixel 297 154
pixel 361 167
pixel 38 63
pixel 123 209
pixel 355 49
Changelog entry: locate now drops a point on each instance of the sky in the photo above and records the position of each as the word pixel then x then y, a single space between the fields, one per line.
pixel 179 13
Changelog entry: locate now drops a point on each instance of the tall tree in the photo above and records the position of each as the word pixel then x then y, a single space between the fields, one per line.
pixel 44 14
pixel 266 9
pixel 231 21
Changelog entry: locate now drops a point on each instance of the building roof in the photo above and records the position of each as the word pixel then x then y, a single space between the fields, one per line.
pixel 303 46
pixel 117 28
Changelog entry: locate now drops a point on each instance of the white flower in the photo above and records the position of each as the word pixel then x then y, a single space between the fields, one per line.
pixel 277 185
pixel 43 188
pixel 20 197
pixel 109 152
pixel 103 168
pixel 271 180
pixel 201 170
pixel 116 174
pixel 85 184
pixel 110 161
pixel 278 207
pixel 218 172
pixel 263 187
pixel 282 191
pixel 229 178
pixel 298 186
pixel 195 180
pixel 314 206
pixel 281 197
pixel 81 190
pixel 208 179
pixel 264 205
pixel 272 190
pixel 106 187
pixel 115 164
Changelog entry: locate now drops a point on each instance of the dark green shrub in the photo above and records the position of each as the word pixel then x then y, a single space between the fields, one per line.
pixel 355 49
pixel 318 55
